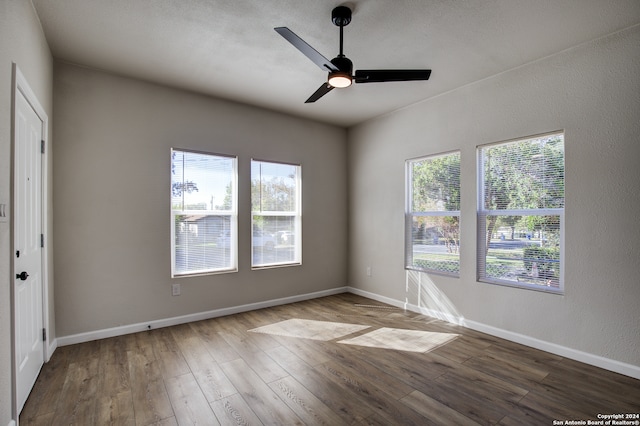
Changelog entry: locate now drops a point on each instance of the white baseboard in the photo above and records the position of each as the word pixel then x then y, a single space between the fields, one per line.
pixel 53 345
pixel 563 351
pixel 135 328
pixel 595 360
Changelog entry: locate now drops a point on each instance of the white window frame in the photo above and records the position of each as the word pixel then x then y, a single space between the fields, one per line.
pixel 484 213
pixel 232 213
pixel 296 214
pixel 410 215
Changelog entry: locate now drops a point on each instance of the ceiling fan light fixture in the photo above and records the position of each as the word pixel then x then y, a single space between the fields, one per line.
pixel 340 79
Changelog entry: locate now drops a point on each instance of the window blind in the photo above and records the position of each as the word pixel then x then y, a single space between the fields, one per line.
pixel 521 211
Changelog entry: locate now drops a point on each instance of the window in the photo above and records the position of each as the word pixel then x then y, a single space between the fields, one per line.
pixel 203 213
pixel 432 218
pixel 276 214
pixel 521 212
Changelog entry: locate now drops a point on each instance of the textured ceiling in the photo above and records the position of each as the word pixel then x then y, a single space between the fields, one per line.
pixel 228 48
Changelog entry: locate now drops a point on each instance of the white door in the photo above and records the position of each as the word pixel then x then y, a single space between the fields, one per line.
pixel 29 347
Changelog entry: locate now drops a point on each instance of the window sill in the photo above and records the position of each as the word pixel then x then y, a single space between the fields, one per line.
pixel 275 265
pixel 202 274
pixel 525 286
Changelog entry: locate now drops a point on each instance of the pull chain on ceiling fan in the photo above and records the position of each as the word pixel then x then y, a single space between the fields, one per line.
pixel 340 68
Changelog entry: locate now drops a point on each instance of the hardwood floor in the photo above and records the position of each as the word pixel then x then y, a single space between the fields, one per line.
pixel 218 372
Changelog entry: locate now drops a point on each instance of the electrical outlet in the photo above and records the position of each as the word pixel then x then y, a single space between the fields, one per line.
pixel 368 271
pixel 175 289
pixel 4 212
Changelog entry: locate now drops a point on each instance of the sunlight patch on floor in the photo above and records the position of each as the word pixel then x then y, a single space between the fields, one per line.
pixel 310 329
pixel 402 340
pixel 384 338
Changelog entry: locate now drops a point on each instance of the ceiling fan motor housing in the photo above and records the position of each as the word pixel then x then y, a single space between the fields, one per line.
pixel 343 63
pixel 344 76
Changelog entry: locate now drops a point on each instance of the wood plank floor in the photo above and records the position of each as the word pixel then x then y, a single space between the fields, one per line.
pixel 218 372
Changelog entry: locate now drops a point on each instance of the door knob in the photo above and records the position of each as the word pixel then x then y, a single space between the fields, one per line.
pixel 22 276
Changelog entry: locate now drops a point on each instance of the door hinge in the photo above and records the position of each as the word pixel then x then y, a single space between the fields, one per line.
pixel 42 146
pixel 44 334
pixel 41 240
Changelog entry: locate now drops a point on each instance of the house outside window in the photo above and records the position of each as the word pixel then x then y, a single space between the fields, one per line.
pixel 203 213
pixel 521 212
pixel 432 218
pixel 276 214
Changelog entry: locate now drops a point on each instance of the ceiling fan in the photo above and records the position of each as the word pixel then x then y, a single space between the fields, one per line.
pixel 340 68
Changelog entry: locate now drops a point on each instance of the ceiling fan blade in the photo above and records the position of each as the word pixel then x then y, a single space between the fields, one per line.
pixel 322 90
pixel 306 49
pixel 378 76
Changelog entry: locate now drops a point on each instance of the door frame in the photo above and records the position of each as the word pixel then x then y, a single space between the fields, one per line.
pixel 20 85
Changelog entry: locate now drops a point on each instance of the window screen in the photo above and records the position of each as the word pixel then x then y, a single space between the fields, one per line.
pixel 203 213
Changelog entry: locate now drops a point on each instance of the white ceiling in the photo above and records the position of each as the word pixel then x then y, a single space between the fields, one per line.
pixel 228 48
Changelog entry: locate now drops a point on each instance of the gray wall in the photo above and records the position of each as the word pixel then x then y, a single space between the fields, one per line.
pixel 593 93
pixel 22 42
pixel 112 200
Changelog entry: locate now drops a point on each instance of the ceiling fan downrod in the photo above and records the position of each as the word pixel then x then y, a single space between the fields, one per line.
pixel 341 17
